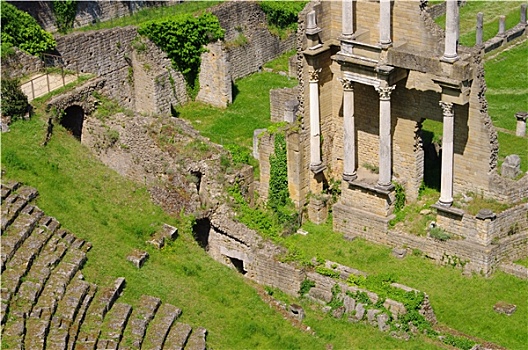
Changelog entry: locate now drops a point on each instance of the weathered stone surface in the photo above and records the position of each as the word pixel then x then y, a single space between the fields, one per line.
pixel 360 311
pixel 160 326
pixel 339 312
pixel 383 320
pixel 349 304
pixel 372 316
pixel 197 339
pixel 138 257
pixel 399 252
pixel 297 311
pixel 503 307
pixel 177 337
pixel 511 167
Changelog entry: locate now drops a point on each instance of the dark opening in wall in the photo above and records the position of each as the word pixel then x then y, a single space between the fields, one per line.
pixel 197 179
pixel 201 232
pixel 238 264
pixel 73 120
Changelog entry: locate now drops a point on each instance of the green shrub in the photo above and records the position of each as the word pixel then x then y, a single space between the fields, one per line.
pixel 458 342
pixel 399 202
pixel 282 14
pixel 21 30
pixel 183 38
pixel 439 234
pixel 64 11
pixel 278 195
pixel 239 154
pixel 14 101
pixel 306 285
pixel 325 271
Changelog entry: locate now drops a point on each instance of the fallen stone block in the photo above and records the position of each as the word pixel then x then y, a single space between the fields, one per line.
pixel 503 307
pixel 138 258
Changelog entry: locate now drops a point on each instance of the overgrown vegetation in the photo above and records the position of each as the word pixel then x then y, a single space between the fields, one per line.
pixel 183 38
pixel 21 30
pixel 64 11
pixel 14 101
pixel 282 15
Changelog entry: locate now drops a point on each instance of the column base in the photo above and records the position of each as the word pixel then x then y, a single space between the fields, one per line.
pixel 445 203
pixel 317 168
pixel 449 59
pixel 349 177
pixel 385 187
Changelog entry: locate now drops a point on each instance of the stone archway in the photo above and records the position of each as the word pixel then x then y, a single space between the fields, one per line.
pixel 73 120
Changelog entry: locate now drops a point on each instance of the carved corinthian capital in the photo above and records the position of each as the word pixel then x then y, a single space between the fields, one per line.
pixel 348 85
pixel 447 109
pixel 385 92
pixel 314 74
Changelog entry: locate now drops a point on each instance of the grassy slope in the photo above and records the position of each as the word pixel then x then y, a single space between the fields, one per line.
pixel 116 216
pixel 149 14
pixel 462 303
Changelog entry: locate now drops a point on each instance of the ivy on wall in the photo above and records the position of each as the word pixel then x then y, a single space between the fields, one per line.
pixel 21 30
pixel 183 38
pixel 278 194
pixel 282 14
pixel 64 11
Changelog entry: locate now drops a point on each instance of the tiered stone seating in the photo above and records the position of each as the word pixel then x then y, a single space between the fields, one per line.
pixel 46 303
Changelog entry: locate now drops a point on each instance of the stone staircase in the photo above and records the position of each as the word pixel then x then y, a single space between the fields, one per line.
pixel 47 304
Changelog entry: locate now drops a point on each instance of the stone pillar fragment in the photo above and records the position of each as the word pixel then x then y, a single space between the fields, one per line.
pixel 316 165
pixel 521 123
pixel 290 110
pixel 450 49
pixel 385 149
pixel 502 24
pixel 446 183
pixel 347 19
pixel 480 28
pixel 349 139
pixel 385 22
pixel 523 14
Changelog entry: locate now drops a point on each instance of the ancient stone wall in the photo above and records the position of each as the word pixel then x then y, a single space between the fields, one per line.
pixel 277 99
pixel 104 53
pixel 21 63
pixel 266 147
pixel 247 19
pixel 88 12
pixel 215 77
pixel 81 96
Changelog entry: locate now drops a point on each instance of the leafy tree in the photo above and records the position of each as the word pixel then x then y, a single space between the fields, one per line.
pixel 21 30
pixel 183 38
pixel 14 101
pixel 282 14
pixel 65 11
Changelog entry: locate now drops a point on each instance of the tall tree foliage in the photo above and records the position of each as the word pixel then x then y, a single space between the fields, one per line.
pixel 21 30
pixel 183 38
pixel 65 11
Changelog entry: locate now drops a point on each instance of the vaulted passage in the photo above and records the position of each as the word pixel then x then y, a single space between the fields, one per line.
pixel 201 232
pixel 73 120
pixel 238 264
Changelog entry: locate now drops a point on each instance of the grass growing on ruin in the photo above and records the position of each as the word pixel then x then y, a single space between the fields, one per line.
pixel 250 110
pixel 492 10
pixel 280 64
pixel 460 302
pixel 150 14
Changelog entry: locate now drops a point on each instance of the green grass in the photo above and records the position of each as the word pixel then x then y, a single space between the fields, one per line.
pixel 523 262
pixel 150 14
pixel 250 110
pixel 462 303
pixel 280 64
pixel 492 10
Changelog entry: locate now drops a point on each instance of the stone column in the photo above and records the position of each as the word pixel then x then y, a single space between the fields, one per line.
pixel 480 27
pixel 523 14
pixel 347 19
pixel 446 183
pixel 521 123
pixel 450 49
pixel 385 149
pixel 349 137
pixel 316 165
pixel 385 22
pixel 502 24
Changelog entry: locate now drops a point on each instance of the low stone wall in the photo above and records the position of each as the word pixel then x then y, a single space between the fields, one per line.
pixel 21 63
pixel 215 77
pixel 80 96
pixel 515 270
pixel 507 189
pixel 278 98
pixel 509 35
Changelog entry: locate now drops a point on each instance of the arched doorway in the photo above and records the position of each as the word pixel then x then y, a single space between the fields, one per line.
pixel 73 120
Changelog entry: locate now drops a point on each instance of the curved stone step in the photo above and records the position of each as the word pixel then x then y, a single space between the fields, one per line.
pixel 159 327
pixel 139 320
pixel 18 231
pixel 102 303
pixel 11 207
pixel 117 319
pixel 8 187
pixel 177 337
pixel 197 339
pixel 81 314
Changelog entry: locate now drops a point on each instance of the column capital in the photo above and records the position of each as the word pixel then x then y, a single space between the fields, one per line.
pixel 447 109
pixel 348 85
pixel 314 75
pixel 385 92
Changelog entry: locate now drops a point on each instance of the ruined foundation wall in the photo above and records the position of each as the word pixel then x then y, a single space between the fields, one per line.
pixel 277 99
pixel 21 63
pixel 215 77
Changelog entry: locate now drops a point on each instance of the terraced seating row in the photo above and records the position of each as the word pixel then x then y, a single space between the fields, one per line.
pixel 46 303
